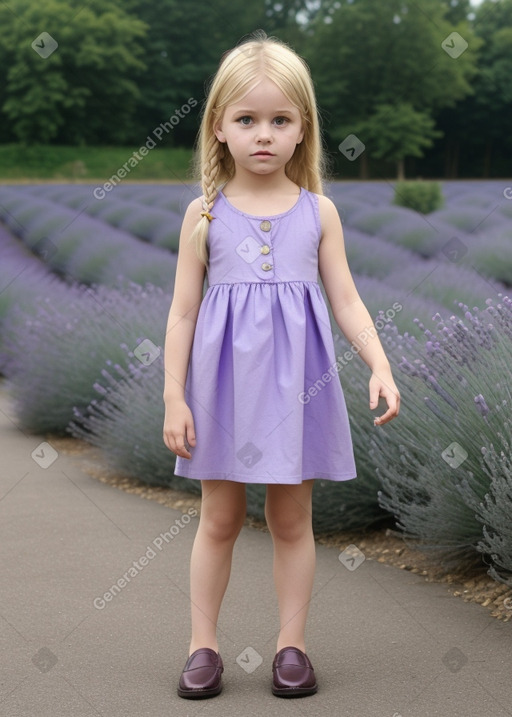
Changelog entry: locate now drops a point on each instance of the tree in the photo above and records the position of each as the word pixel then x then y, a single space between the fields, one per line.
pixel 481 122
pixel 183 47
pixel 374 53
pixel 85 90
pixel 394 132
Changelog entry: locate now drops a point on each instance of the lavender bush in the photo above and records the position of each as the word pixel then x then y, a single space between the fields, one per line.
pixel 126 422
pixel 83 248
pixel 466 218
pixel 23 278
pixel 371 256
pixel 490 254
pixel 373 220
pixel 436 464
pixel 444 282
pixel 494 511
pixel 153 224
pixel 381 297
pixel 54 354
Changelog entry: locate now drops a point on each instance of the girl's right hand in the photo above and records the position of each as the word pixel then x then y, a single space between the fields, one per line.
pixel 179 428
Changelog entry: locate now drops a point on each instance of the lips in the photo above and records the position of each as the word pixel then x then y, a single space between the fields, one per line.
pixel 263 154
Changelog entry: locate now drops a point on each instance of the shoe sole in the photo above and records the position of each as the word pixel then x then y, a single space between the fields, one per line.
pixel 294 691
pixel 199 694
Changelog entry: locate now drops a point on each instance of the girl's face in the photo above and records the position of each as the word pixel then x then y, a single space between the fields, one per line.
pixel 262 129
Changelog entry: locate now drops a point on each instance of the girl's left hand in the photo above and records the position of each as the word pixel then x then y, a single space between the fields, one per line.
pixel 382 385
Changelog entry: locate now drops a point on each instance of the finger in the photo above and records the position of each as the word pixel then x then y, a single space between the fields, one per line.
pixel 190 433
pixel 176 445
pixel 182 451
pixel 374 396
pixel 392 412
pixel 381 420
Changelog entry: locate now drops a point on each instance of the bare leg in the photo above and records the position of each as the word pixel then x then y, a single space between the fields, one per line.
pixel 223 509
pixel 289 519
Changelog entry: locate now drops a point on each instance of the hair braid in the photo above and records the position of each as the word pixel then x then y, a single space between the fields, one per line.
pixel 210 171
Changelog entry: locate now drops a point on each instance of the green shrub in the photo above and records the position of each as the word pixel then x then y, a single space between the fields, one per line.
pixel 423 197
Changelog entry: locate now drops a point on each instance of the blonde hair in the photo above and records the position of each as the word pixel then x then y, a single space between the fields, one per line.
pixel 238 72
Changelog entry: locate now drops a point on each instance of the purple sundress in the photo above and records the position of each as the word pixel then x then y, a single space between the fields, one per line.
pixel 262 384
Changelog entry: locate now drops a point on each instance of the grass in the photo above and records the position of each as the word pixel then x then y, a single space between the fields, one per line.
pixel 88 164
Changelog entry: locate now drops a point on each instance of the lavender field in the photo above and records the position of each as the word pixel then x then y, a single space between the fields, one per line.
pixel 86 285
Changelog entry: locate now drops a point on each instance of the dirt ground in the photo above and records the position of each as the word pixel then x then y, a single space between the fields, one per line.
pixel 472 584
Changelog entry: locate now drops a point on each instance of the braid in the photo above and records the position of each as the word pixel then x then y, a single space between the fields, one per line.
pixel 210 172
pixel 210 168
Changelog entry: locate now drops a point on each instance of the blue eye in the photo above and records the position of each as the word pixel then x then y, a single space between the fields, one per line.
pixel 281 121
pixel 245 117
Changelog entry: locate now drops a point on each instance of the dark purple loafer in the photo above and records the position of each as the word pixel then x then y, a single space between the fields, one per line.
pixel 201 676
pixel 293 674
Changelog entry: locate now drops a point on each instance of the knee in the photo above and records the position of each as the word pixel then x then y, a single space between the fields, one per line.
pixel 222 525
pixel 290 526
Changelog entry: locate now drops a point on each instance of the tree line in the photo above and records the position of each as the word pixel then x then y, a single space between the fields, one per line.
pixel 425 87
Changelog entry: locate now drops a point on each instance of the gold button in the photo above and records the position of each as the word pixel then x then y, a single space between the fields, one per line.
pixel 265 249
pixel 265 225
pixel 266 267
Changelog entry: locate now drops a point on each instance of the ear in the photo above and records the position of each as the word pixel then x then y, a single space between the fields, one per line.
pixel 218 131
pixel 301 137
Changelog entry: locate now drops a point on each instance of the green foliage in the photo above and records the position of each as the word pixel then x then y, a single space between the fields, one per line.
pixel 423 197
pixel 385 53
pixel 396 131
pixel 77 91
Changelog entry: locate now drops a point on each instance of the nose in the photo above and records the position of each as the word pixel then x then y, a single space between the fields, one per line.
pixel 264 134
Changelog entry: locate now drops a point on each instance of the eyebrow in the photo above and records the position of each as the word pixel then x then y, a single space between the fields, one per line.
pixel 280 112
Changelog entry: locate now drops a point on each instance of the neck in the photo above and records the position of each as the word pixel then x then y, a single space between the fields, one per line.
pixel 244 182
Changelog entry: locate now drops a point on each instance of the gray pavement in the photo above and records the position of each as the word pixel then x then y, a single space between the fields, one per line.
pixel 384 643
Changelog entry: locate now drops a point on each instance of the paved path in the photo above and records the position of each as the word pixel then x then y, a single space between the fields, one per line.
pixel 384 642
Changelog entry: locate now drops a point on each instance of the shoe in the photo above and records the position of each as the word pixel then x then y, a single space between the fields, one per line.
pixel 293 674
pixel 201 676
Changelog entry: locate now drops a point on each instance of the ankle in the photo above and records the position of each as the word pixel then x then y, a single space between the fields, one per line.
pixel 292 643
pixel 213 645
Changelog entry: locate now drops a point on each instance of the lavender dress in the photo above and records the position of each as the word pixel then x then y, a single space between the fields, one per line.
pixel 262 383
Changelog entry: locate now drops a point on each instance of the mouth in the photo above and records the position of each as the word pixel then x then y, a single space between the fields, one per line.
pixel 262 154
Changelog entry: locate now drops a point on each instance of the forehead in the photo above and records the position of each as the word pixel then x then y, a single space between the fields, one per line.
pixel 264 95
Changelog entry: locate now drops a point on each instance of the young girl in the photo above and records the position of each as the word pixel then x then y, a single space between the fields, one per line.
pixel 250 369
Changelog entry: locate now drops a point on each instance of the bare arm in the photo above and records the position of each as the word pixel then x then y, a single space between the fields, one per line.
pixel 349 311
pixel 181 323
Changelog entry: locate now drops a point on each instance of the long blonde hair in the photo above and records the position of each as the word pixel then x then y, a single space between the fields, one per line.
pixel 238 72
